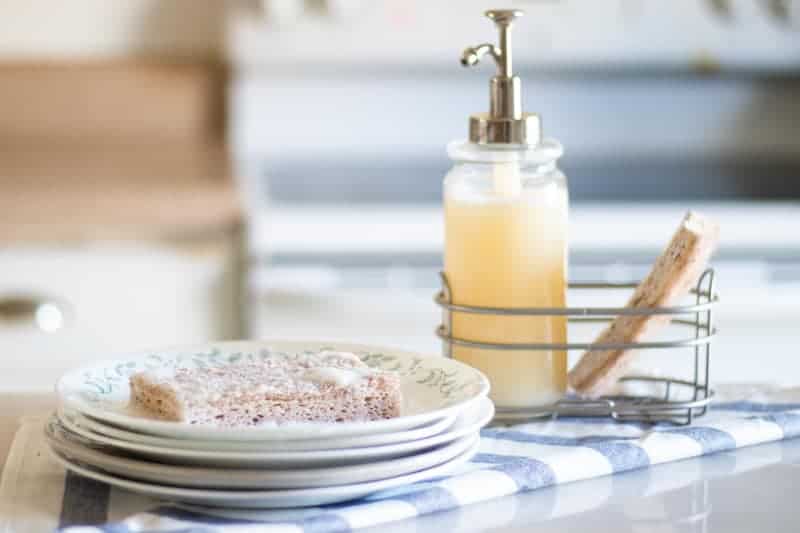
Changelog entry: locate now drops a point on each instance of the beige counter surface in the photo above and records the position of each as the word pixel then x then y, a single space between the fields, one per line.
pixel 15 406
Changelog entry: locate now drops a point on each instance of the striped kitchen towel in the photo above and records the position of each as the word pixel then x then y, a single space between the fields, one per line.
pixel 37 495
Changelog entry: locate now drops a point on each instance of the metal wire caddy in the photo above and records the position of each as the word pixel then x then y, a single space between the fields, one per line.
pixel 682 399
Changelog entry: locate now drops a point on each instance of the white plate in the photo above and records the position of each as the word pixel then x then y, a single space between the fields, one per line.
pixel 468 423
pixel 83 451
pixel 333 443
pixel 433 388
pixel 267 499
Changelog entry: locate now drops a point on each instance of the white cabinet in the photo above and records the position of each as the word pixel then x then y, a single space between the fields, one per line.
pixel 135 245
pixel 113 297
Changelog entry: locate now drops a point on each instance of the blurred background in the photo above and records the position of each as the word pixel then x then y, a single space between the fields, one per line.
pixel 176 171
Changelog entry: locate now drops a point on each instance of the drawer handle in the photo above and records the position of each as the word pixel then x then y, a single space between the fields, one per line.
pixel 44 313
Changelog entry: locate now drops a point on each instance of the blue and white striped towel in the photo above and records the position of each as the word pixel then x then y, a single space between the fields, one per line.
pixel 38 495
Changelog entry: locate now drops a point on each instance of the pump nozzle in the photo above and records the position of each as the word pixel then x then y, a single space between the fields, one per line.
pixel 505 122
pixel 472 55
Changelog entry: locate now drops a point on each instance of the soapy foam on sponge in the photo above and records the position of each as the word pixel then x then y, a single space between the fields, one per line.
pixel 323 387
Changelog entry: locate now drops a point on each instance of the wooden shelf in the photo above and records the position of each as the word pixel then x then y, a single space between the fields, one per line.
pixel 96 191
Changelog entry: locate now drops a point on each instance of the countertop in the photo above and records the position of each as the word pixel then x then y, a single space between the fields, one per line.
pixel 368 274
pixel 643 227
pixel 745 490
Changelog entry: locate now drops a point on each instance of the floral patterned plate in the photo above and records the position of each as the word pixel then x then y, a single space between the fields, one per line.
pixel 433 388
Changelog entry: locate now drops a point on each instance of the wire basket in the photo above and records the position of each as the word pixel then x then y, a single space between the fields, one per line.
pixel 679 400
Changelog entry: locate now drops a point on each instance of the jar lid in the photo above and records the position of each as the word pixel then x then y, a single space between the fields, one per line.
pixel 547 151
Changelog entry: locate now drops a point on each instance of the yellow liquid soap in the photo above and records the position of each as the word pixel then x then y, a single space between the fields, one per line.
pixel 507 248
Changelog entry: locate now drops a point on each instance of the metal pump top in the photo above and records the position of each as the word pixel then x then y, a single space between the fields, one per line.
pixel 505 123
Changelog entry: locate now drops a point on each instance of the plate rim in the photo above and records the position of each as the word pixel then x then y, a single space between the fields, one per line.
pixel 484 412
pixel 226 498
pixel 160 427
pixel 434 428
pixel 255 478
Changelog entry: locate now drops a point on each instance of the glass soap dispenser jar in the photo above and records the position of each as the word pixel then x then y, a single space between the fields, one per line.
pixel 506 205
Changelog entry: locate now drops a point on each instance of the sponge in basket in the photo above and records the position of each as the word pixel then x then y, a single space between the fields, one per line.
pixel 670 279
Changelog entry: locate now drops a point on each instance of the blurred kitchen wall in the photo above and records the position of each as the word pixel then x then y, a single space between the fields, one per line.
pixel 97 29
pixel 339 101
pixel 338 113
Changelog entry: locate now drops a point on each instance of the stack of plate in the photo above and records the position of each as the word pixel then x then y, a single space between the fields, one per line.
pixel 97 434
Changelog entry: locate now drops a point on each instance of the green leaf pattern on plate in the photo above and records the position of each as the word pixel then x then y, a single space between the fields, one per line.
pixel 102 383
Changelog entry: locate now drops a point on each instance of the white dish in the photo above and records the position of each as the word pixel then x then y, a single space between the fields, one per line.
pixel 79 449
pixel 331 443
pixel 266 499
pixel 468 423
pixel 433 388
